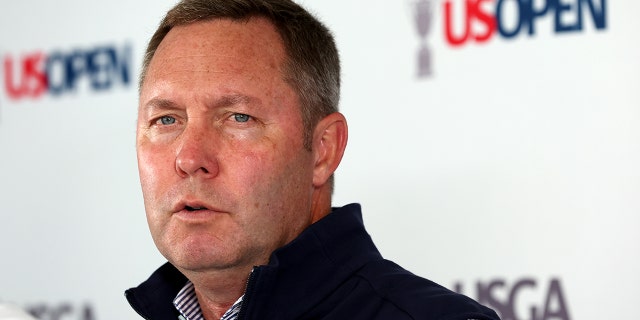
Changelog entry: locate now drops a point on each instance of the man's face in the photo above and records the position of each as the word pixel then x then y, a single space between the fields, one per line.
pixel 225 177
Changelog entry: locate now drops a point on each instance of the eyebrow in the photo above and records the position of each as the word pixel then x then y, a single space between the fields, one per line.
pixel 160 104
pixel 224 101
pixel 233 99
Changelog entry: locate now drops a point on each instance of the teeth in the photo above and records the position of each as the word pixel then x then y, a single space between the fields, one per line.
pixel 193 208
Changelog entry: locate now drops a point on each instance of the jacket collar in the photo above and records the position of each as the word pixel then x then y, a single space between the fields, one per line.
pixel 312 266
pixel 153 299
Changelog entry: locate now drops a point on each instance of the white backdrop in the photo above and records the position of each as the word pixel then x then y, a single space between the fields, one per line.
pixel 509 172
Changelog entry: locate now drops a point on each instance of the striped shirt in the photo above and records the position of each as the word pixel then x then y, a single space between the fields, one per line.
pixel 187 304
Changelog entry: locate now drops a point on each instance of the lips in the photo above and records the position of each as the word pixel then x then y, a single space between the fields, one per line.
pixel 192 206
pixel 194 211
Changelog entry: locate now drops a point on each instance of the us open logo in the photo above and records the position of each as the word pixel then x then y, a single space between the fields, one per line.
pixel 37 73
pixel 479 21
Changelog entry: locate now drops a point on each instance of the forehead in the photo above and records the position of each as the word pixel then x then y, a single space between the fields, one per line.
pixel 220 47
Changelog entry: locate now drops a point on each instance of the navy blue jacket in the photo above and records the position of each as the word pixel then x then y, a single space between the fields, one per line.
pixel 331 271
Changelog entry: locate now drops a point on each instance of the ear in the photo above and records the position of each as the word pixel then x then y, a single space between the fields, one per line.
pixel 329 142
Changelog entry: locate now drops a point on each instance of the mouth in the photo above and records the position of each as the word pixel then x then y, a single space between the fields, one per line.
pixel 191 205
pixel 195 208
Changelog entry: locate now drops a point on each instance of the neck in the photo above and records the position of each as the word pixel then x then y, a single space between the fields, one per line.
pixel 218 292
pixel 320 203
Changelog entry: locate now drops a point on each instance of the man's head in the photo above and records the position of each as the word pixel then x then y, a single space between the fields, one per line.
pixel 312 65
pixel 231 165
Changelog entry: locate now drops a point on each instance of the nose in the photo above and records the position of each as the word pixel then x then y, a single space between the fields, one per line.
pixel 196 155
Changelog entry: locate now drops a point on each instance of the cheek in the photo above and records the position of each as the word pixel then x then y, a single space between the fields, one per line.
pixel 271 174
pixel 250 171
pixel 152 168
pixel 146 171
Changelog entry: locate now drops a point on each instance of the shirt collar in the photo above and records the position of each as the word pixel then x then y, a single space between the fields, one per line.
pixel 186 302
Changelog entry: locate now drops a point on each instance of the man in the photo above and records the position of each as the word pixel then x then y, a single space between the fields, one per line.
pixel 238 138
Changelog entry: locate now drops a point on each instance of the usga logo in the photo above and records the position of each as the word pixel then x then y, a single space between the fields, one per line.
pixel 36 73
pixel 513 300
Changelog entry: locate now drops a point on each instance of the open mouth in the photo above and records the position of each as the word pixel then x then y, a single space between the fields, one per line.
pixel 190 208
pixel 195 212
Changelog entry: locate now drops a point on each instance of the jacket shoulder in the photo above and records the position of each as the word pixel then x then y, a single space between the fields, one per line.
pixel 418 297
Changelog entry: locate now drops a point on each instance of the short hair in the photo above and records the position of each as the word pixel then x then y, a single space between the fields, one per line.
pixel 312 64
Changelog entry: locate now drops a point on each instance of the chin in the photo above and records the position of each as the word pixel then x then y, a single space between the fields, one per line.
pixel 198 257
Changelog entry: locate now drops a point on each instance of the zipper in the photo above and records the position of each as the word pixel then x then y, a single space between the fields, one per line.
pixel 251 283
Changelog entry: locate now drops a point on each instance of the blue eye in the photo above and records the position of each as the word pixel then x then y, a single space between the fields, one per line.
pixel 167 120
pixel 239 117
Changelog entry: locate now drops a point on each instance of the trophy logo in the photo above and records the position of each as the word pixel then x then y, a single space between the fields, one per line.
pixel 423 17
